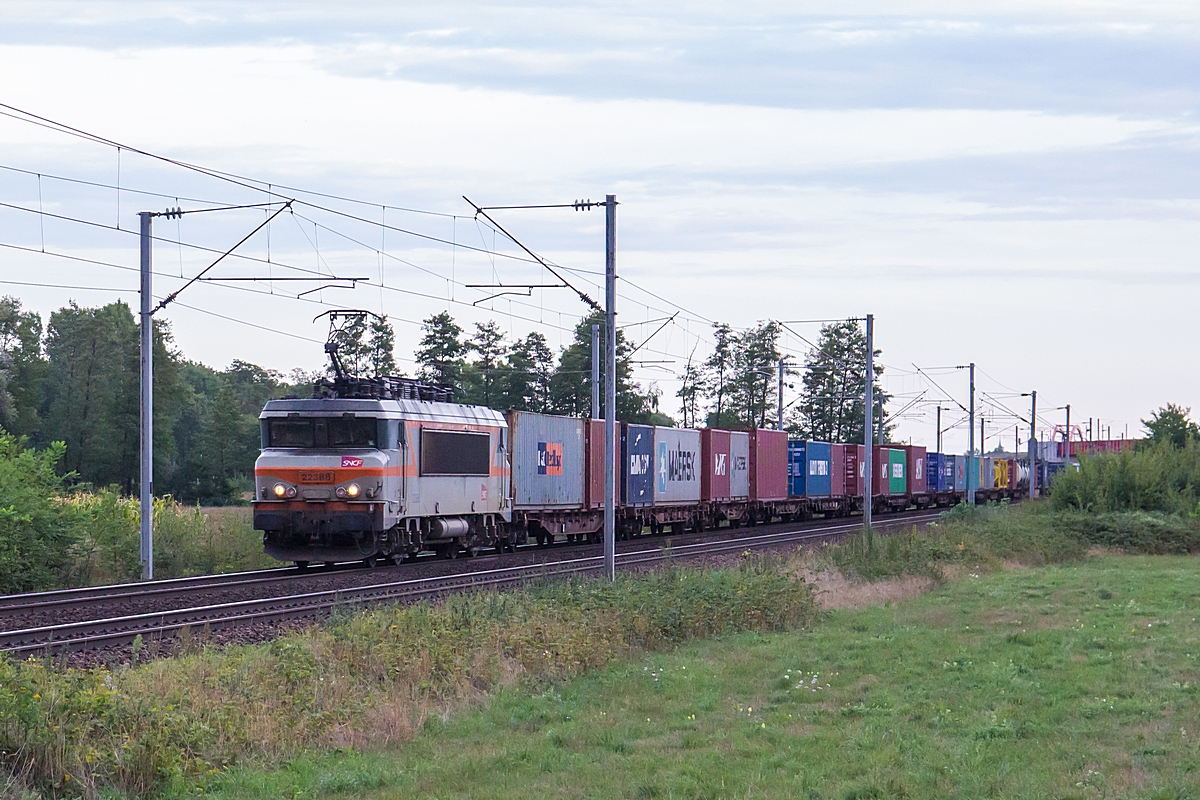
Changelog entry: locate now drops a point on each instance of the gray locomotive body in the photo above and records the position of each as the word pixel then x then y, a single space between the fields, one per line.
pixel 342 479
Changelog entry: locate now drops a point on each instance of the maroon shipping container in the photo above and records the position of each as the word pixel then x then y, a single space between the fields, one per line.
pixel 768 464
pixel 594 471
pixel 837 469
pixel 854 470
pixel 880 462
pixel 714 475
pixel 917 461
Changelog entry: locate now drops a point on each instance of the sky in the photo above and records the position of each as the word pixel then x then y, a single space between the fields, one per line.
pixel 1015 187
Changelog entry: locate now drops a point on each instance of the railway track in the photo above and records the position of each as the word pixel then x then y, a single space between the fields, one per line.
pixel 120 630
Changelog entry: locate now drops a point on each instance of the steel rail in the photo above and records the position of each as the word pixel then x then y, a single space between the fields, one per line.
pixel 123 630
pixel 75 598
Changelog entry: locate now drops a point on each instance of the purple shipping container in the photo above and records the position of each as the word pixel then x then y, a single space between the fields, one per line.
pixel 768 464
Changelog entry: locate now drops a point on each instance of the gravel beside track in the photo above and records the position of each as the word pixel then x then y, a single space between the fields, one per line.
pixel 253 606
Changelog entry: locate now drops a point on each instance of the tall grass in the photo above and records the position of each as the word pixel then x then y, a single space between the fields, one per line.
pixel 1153 478
pixel 363 680
pixel 1028 533
pixel 188 540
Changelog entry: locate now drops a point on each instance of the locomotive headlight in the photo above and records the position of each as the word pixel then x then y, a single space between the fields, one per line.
pixel 340 492
pixel 280 490
pixel 352 490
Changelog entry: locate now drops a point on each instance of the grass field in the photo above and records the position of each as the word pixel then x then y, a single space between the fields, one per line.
pixel 1075 680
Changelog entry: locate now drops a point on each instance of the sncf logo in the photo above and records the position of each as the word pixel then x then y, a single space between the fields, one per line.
pixel 351 461
pixel 550 458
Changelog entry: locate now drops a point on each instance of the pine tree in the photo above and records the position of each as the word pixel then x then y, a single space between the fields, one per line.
pixel 488 346
pixel 441 350
pixel 530 372
pixel 381 347
pixel 716 374
pixel 831 405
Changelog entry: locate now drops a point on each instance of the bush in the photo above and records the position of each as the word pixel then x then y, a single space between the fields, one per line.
pixel 1155 477
pixel 37 530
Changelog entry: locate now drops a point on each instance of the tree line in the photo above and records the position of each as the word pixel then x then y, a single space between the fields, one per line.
pixel 75 380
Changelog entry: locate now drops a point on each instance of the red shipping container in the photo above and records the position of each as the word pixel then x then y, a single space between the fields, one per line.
pixel 837 469
pixel 854 470
pixel 594 477
pixel 768 464
pixel 915 454
pixel 714 475
pixel 880 463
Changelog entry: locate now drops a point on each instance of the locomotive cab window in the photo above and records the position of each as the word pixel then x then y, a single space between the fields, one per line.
pixel 455 453
pixel 322 432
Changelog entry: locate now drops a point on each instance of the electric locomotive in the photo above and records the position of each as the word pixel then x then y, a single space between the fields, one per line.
pixel 373 469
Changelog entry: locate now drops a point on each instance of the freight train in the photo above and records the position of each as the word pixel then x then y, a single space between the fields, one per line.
pixel 385 468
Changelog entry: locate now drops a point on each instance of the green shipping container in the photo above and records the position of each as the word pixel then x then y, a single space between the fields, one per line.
pixel 897 480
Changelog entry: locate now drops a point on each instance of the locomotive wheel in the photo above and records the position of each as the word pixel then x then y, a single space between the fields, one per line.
pixel 301 565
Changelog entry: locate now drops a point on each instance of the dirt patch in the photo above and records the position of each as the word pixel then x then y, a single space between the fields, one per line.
pixel 836 591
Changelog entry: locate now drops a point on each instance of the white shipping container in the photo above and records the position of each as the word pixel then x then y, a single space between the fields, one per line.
pixel 547 460
pixel 677 466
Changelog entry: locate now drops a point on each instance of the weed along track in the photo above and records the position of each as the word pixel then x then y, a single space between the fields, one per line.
pixel 114 617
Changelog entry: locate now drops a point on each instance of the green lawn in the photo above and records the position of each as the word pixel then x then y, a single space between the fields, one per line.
pixel 1077 680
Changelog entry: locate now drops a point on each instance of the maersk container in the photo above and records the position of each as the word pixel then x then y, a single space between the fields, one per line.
pixel 898 478
pixel 837 469
pixel 934 479
pixel 739 465
pixel 714 475
pixel 768 465
pixel 677 466
pixel 817 482
pixel 548 461
pixel 915 473
pixel 797 466
pixel 637 465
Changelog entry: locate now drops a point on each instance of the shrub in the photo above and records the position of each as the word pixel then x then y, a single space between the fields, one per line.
pixel 37 531
pixel 1155 477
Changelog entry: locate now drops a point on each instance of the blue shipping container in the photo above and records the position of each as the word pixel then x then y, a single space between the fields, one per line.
pixel 934 479
pixel 796 467
pixel 637 465
pixel 816 482
pixel 960 473
pixel 948 469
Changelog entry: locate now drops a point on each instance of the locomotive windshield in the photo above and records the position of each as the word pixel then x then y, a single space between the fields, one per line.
pixel 322 432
